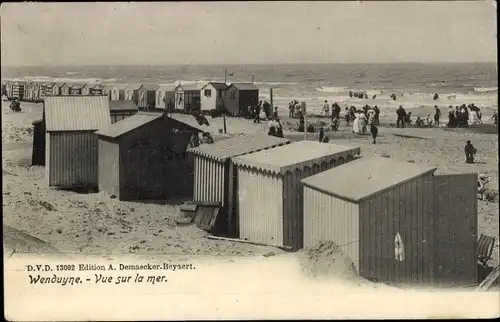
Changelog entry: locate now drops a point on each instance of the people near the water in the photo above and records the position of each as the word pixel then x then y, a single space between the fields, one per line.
pixel 377 114
pixel 350 94
pixel 401 114
pixel 352 113
pixel 494 117
pixel 437 115
pixel 335 124
pixel 298 109
pixel 275 127
pixel 310 128
pixel 370 114
pixel 291 109
pixel 321 134
pixel 419 123
pixel 436 96
pixel 347 116
pixel 470 151
pixel 301 123
pixel 474 115
pixel 366 96
pixel 359 123
pixel 451 117
pixel 464 116
pixel 325 110
pixel 428 120
pixel 374 132
pixel 408 118
pixel 275 113
pixel 393 96
pixel 266 107
pixel 336 110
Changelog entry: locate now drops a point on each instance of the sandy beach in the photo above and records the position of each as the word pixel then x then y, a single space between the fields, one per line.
pixel 96 224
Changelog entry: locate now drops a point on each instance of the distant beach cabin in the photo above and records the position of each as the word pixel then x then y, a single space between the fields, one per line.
pixel 118 92
pixel 47 89
pixel 212 96
pixel 270 192
pixel 120 110
pixel 165 97
pixel 187 97
pixel 98 89
pixel 147 96
pixel 132 93
pixel 71 141
pixel 76 88
pixel 144 157
pixel 63 89
pixel 397 221
pixel 18 89
pixel 239 96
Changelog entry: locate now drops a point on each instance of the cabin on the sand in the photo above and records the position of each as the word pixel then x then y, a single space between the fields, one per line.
pixel 144 157
pixel 239 96
pixel 212 96
pixel 187 97
pixel 71 141
pixel 120 110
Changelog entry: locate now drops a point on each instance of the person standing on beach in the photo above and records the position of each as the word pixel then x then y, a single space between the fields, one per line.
pixel 494 117
pixel 257 113
pixel 374 132
pixel 469 150
pixel 437 115
pixel 291 108
pixel 347 115
pixel 321 134
pixel 326 108
pixel 401 113
pixel 377 114
pixel 451 117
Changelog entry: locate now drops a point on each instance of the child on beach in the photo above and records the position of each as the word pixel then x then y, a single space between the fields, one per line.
pixel 374 131
pixel 437 115
pixel 470 151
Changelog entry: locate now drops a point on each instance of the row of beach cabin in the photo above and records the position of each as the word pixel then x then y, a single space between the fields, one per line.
pixel 211 96
pixel 397 221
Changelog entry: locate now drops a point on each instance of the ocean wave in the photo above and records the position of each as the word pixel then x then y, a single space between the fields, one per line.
pixel 485 89
pixel 275 83
pixel 332 89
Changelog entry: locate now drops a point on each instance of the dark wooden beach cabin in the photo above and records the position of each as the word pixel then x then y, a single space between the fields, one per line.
pixel 397 221
pixel 132 93
pixel 188 97
pixel 38 154
pixel 212 96
pixel 117 92
pixel 120 110
pixel 71 141
pixel 241 95
pixel 144 157
pixel 64 89
pixel 147 96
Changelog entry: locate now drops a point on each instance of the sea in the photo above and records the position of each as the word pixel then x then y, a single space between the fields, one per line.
pixel 413 83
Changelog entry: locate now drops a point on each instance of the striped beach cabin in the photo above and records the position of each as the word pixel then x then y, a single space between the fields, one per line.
pixel 147 96
pixel 71 141
pixel 117 92
pixel 132 93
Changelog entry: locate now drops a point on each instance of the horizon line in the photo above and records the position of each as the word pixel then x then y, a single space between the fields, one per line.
pixel 252 64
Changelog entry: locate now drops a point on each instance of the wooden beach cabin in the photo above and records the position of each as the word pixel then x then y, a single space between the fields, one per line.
pixel 212 96
pixel 47 89
pixel 98 89
pixel 144 157
pixel 118 92
pixel 38 154
pixel 71 141
pixel 215 175
pixel 132 93
pixel 165 97
pixel 18 89
pixel 270 191
pixel 397 221
pixel 76 88
pixel 187 97
pixel 239 96
pixel 62 89
pixel 147 96
pixel 120 110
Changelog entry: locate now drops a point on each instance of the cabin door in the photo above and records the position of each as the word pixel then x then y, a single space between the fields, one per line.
pixel 455 222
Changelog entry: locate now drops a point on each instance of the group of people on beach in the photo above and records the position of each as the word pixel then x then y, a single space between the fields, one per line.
pixel 464 115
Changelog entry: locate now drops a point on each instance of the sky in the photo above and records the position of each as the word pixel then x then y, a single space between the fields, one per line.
pixel 256 32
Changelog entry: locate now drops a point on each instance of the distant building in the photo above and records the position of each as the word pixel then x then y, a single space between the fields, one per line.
pixel 187 97
pixel 47 89
pixel 147 96
pixel 18 89
pixel 76 88
pixel 212 96
pixel 132 93
pixel 63 89
pixel 71 142
pixel 144 157
pixel 165 97
pixel 120 110
pixel 118 92
pixel 241 95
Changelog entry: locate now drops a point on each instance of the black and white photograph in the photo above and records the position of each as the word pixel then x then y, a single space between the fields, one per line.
pixel 250 160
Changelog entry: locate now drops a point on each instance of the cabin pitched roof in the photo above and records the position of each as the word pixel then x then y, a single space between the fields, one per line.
pixel 245 86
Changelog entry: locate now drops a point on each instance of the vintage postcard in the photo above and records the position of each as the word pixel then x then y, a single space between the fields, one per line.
pixel 250 160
